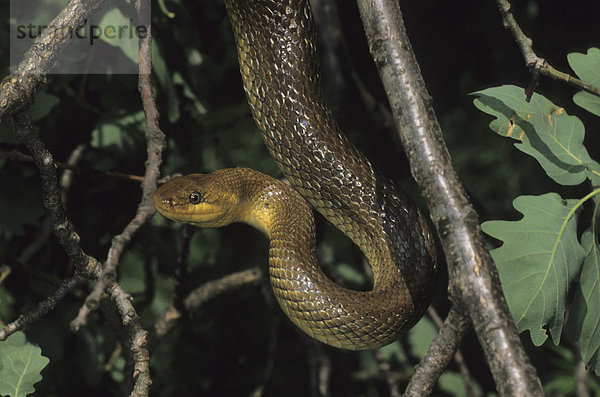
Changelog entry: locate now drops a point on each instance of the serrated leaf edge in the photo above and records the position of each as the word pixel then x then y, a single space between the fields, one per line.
pixel 555 248
pixel 595 249
pixel 546 131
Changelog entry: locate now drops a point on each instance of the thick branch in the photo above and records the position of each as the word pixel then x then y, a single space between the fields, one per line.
pixel 18 89
pixel 474 282
pixel 51 198
pixel 86 265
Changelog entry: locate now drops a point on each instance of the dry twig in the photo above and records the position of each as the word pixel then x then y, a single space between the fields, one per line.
pixel 537 65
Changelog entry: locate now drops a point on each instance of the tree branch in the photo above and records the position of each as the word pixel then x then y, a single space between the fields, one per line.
pixel 16 93
pixel 203 294
pixel 536 64
pixel 438 356
pixel 86 265
pixel 459 328
pixel 17 90
pixel 51 197
pixel 155 143
pixel 474 282
pixel 17 155
pixel 43 307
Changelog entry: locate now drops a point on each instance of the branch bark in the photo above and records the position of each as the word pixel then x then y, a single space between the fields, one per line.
pixel 439 354
pixel 474 283
pixel 18 90
pixel 43 307
pixel 203 294
pixel 87 266
pixel 536 64
pixel 16 94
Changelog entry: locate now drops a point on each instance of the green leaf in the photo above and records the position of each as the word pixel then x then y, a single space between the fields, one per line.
pixel 587 68
pixel 545 131
pixel 538 260
pixel 349 273
pixel 114 19
pixel 19 206
pixel 20 366
pixel 163 74
pixel 453 384
pixel 188 92
pixel 584 318
pixel 119 132
pixel 43 105
pixel 421 336
pixel 588 101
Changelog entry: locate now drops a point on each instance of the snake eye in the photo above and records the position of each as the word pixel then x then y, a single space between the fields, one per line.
pixel 195 198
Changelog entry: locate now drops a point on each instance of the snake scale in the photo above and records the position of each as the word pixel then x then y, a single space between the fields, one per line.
pixel 280 73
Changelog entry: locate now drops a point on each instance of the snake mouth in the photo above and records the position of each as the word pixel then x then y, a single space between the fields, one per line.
pixel 203 218
pixel 187 217
pixel 193 217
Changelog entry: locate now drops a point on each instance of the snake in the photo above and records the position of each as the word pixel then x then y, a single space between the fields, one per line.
pixel 278 60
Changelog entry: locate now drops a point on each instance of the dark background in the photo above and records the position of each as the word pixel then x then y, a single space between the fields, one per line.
pixel 241 342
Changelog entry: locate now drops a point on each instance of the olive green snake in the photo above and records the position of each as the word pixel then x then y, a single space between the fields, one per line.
pixel 278 62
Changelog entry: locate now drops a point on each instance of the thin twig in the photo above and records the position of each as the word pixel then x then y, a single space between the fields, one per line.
pixel 155 143
pixel 439 354
pixel 534 62
pixel 138 338
pixel 581 376
pixel 17 155
pixel 43 307
pixel 458 357
pixel 320 369
pixel 386 371
pixel 17 90
pixel 210 290
pixel 201 295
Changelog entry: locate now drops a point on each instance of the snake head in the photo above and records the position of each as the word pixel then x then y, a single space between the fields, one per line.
pixel 200 199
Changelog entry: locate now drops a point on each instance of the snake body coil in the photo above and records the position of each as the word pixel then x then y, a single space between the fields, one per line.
pixel 278 63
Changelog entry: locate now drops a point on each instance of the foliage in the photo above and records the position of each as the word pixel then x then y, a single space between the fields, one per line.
pixel 543 253
pixel 240 344
pixel 20 365
pixel 538 261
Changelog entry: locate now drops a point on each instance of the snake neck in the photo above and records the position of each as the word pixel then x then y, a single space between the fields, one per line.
pixel 328 312
pixel 273 207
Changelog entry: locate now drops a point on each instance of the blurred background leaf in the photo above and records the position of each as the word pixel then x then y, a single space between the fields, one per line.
pixel 224 349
